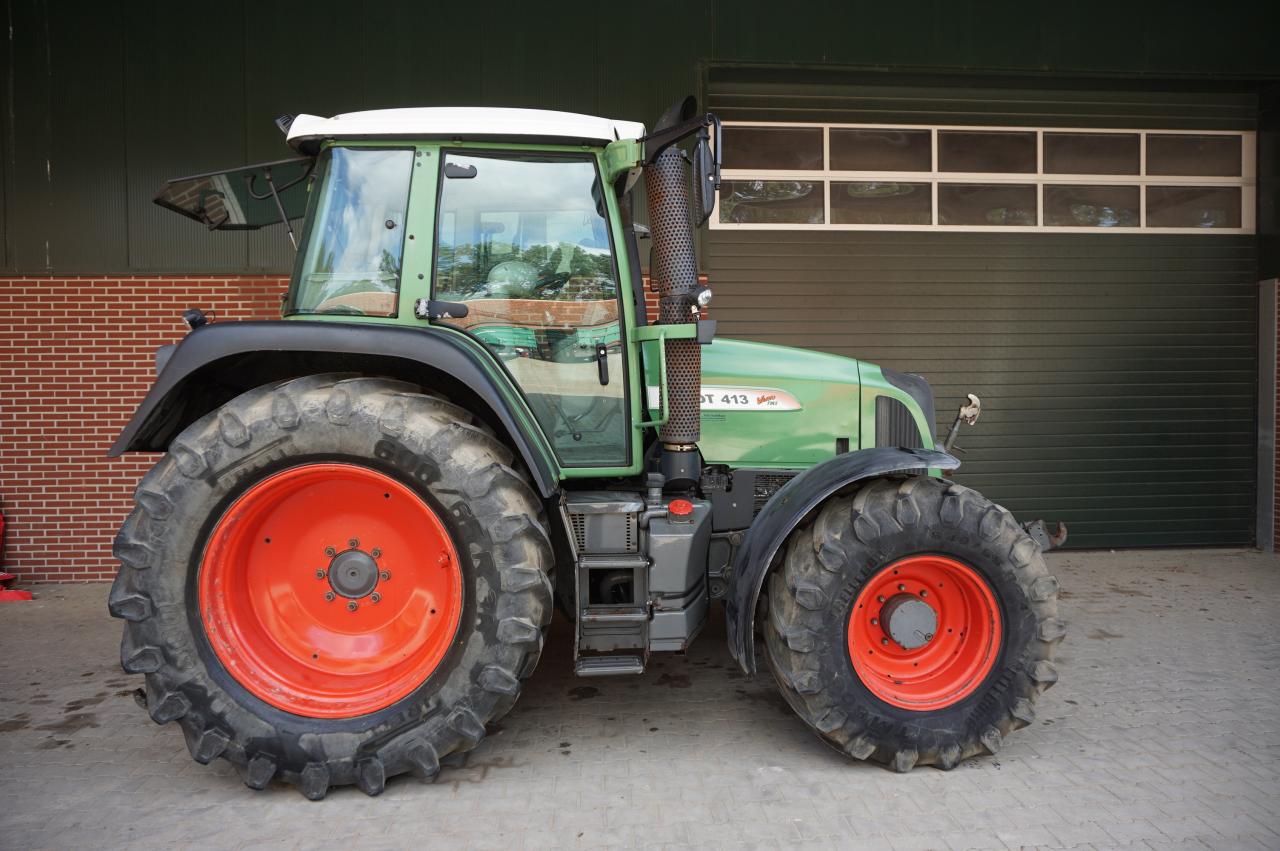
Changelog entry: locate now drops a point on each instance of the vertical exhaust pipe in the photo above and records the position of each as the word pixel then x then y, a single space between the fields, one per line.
pixel 673 266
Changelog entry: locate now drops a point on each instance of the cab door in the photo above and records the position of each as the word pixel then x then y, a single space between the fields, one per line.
pixel 523 241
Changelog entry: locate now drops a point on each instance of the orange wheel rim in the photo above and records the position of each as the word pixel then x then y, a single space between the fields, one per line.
pixel 330 590
pixel 924 632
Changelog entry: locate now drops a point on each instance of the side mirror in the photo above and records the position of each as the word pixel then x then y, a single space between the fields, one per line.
pixel 706 171
pixel 703 191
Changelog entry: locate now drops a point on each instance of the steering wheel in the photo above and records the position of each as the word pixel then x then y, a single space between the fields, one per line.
pixel 511 272
pixel 552 279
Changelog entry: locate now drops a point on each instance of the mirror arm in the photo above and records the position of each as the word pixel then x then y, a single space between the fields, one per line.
pixel 657 142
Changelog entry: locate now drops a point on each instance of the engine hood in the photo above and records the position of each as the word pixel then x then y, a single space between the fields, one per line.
pixel 773 406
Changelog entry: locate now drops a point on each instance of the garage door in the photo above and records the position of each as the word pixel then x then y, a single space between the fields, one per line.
pixel 1106 316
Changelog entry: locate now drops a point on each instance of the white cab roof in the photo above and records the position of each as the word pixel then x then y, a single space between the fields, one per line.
pixel 466 123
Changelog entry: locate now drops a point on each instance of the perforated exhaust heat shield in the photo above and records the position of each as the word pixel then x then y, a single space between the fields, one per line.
pixel 674 268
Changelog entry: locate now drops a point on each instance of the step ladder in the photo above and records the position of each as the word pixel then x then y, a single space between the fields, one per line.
pixel 611 639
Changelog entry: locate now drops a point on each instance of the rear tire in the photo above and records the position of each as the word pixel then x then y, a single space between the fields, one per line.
pixel 437 454
pixel 835 576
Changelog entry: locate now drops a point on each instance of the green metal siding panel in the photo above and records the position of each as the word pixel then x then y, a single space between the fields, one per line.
pixel 6 145
pixel 757 94
pixel 88 210
pixel 1269 184
pixel 184 89
pixel 27 120
pixel 1092 36
pixel 318 63
pixel 179 88
pixel 1118 373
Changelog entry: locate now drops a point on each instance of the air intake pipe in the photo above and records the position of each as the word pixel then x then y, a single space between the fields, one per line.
pixel 673 267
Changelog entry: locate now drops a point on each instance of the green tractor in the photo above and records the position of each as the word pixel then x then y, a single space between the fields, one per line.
pixel 344 565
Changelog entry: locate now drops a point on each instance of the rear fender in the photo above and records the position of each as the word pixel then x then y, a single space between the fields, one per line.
pixel 215 363
pixel 786 510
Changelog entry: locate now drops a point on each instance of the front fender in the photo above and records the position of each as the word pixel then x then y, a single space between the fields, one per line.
pixel 784 512
pixel 217 362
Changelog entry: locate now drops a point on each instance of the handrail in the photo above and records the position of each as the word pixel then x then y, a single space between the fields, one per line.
pixel 663 412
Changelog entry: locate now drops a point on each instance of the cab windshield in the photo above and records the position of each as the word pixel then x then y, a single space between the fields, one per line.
pixel 352 257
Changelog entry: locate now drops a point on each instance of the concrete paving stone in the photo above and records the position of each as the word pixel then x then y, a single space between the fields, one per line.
pixel 1178 830
pixel 1139 746
pixel 828 825
pixel 925 841
pixel 865 843
pixel 960 840
pixel 1242 824
pixel 1019 837
pixel 1185 844
pixel 1081 832
pixel 1138 830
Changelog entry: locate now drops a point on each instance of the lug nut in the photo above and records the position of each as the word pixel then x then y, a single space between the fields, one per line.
pixel 376 552
pixel 884 641
pixel 330 552
pixel 375 597
pixel 924 593
pixel 875 621
pixel 352 606
pixel 384 575
pixel 902 587
pixel 329 595
pixel 880 598
pixel 353 543
pixel 320 574
pixel 444 559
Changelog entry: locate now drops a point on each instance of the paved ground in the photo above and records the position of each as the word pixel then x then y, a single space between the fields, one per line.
pixel 1164 732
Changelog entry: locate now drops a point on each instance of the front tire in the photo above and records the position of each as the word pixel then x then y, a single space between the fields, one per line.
pixel 333 580
pixel 912 623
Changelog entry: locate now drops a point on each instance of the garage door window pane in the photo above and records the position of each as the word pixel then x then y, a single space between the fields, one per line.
pixel 1003 205
pixel 881 203
pixel 771 201
pixel 1213 156
pixel 881 150
pixel 1092 153
pixel 967 151
pixel 1193 206
pixel 1092 206
pixel 773 148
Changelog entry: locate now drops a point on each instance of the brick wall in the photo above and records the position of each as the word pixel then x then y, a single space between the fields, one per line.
pixel 76 357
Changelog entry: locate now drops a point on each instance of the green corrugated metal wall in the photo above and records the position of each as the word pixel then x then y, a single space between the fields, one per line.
pixel 1117 372
pixel 104 100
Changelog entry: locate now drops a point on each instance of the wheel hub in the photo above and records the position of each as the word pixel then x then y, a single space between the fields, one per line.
pixel 353 574
pixel 924 632
pixel 271 576
pixel 909 621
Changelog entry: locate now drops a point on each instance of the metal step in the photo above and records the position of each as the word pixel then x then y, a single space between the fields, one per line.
pixel 627 615
pixel 608 666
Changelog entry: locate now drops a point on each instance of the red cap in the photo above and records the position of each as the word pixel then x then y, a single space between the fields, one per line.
pixel 680 507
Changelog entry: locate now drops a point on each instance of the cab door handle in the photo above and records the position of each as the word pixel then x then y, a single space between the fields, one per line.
pixel 602 362
pixel 425 308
